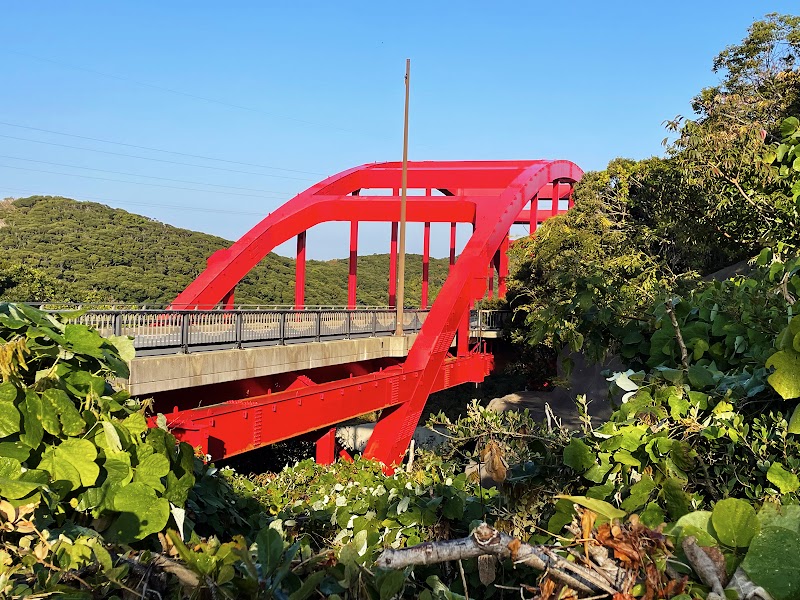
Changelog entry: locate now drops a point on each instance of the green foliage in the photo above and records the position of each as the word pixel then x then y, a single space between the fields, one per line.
pixel 60 249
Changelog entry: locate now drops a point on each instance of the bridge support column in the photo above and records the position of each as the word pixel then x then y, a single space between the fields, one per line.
pixel 300 272
pixel 462 343
pixel 426 258
pixel 352 279
pixel 393 268
pixel 326 447
pixel 534 223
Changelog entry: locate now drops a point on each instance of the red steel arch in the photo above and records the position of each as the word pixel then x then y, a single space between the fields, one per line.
pixel 491 195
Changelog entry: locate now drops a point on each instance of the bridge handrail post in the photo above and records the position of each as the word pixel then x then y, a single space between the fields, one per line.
pixel 117 323
pixel 238 328
pixel 374 323
pixel 185 332
pixel 319 324
pixel 282 334
pixel 349 323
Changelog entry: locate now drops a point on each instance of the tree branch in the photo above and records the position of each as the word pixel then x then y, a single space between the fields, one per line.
pixel 487 540
pixel 678 335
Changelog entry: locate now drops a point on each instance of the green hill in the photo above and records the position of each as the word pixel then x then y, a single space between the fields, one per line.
pixel 58 248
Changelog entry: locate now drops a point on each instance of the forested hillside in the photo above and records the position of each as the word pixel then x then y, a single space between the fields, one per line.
pixel 58 248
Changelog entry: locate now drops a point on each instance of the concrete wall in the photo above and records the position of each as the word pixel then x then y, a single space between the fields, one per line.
pixel 151 374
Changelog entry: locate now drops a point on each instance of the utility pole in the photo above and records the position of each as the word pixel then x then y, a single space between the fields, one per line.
pixel 401 263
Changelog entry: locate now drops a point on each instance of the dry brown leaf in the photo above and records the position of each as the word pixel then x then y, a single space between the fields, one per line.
pixel 486 568
pixel 587 524
pixel 513 547
pixel 494 462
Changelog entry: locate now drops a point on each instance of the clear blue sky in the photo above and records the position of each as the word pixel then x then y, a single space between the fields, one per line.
pixel 317 87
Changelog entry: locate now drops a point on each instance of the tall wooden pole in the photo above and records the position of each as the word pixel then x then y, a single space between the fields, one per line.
pixel 401 263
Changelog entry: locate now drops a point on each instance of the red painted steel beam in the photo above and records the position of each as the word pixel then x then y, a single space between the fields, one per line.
pixel 466 282
pixel 488 194
pixel 352 277
pixel 426 257
pixel 234 427
pixel 452 245
pixel 300 272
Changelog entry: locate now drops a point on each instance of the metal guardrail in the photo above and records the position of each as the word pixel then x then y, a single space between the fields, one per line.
pixel 158 332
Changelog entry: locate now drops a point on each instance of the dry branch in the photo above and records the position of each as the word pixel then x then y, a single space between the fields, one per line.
pixel 487 540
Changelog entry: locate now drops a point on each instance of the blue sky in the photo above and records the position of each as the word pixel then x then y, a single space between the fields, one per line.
pixel 313 88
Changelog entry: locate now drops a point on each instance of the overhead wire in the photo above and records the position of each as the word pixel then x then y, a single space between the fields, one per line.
pixel 180 93
pixel 161 160
pixel 93 139
pixel 233 187
pixel 149 204
pixel 140 183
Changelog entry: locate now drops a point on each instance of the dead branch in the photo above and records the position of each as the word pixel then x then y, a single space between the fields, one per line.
pixel 704 567
pixel 678 335
pixel 487 540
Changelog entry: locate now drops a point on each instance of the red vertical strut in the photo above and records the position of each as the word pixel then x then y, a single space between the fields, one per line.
pixel 452 245
pixel 393 267
pixel 534 218
pixel 352 279
pixel 502 269
pixel 326 447
pixel 227 301
pixel 426 257
pixel 300 272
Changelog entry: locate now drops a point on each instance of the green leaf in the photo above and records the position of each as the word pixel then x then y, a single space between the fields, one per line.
pixel 786 378
pixel 769 562
pixel 8 392
pixel 142 513
pixel 151 470
pixel 72 460
pixel 72 422
pixel 16 450
pixel 578 456
pixel 794 422
pixel 9 419
pixel 786 481
pixel 600 507
pixel 775 515
pixel 82 340
pixel 112 437
pixel 735 522
pixel 309 586
pixel 639 494
pixel 698 524
pixel 789 126
pixel 700 377
pixel 391 583
pixel 118 468
pixel 31 409
pixel 676 500
pixel 270 549
pixel 50 421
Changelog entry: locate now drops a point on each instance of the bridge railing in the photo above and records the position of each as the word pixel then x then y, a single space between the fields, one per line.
pixel 172 331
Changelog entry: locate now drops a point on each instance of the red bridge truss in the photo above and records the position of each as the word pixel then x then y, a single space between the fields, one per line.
pixel 490 195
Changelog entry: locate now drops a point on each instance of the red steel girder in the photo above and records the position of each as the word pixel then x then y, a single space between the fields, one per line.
pixel 237 426
pixel 490 195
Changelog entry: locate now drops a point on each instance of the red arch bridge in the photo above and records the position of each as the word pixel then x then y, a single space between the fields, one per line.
pixel 443 345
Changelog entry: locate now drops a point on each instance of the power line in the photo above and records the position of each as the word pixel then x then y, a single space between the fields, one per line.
pixel 234 162
pixel 138 183
pixel 161 160
pixel 168 206
pixel 233 187
pixel 180 93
